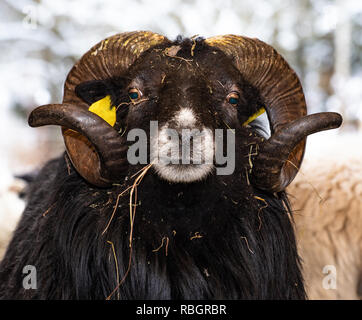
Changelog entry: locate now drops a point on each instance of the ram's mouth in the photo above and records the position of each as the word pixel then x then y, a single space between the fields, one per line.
pixel 183 173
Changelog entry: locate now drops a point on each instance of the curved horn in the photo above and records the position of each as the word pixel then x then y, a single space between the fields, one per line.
pixel 109 58
pixel 109 149
pixel 272 162
pixel 265 69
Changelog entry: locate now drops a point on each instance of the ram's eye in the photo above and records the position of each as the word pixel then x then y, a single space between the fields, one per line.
pixel 233 98
pixel 134 94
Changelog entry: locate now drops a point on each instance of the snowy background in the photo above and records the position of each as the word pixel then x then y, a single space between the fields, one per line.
pixel 41 39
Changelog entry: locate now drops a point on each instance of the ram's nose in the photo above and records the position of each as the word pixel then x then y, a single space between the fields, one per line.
pixel 185 118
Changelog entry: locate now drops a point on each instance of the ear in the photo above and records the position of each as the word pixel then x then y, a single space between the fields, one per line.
pixel 102 96
pixel 254 116
pixel 92 91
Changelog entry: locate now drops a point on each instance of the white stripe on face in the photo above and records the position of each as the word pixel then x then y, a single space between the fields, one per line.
pixel 185 118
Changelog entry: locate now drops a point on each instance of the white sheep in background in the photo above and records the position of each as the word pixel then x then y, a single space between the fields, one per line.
pixel 328 214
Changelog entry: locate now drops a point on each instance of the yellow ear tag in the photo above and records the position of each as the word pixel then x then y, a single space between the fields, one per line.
pixel 105 110
pixel 254 116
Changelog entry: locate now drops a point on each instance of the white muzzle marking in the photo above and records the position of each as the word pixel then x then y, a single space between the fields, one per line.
pixel 186 154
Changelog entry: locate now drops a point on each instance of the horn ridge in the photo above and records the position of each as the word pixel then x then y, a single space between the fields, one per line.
pixel 274 158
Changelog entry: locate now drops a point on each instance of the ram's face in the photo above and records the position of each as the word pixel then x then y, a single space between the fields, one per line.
pixel 189 94
pixel 181 94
